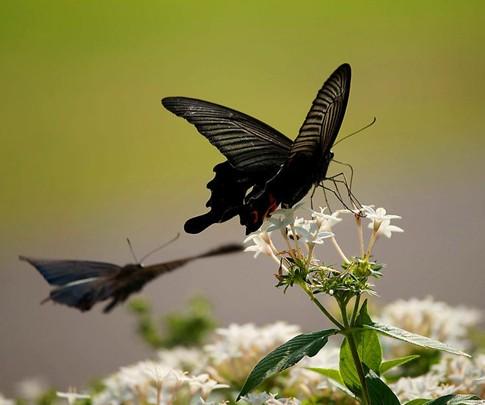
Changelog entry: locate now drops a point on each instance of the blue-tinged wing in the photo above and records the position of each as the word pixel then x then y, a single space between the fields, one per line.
pixel 62 272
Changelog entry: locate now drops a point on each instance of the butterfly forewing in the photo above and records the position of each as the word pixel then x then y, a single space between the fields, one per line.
pixel 322 123
pixel 247 143
pixel 62 272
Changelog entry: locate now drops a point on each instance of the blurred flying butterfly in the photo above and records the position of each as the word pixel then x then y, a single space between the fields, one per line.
pixel 81 283
pixel 264 168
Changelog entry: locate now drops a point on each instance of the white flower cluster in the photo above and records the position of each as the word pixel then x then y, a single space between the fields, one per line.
pixel 193 376
pixel 210 375
pixel 152 382
pixel 425 386
pixel 263 398
pixel 311 232
pixel 234 351
pixel 431 318
pixel 237 348
pixel 452 375
pixel 467 375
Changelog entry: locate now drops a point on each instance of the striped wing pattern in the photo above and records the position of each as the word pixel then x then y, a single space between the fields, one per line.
pixel 323 121
pixel 246 142
pixel 264 168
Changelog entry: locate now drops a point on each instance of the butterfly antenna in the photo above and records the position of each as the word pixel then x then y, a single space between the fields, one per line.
pixel 132 250
pixel 160 247
pixel 356 132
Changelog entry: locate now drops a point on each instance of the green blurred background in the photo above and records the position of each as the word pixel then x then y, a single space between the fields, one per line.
pixel 89 157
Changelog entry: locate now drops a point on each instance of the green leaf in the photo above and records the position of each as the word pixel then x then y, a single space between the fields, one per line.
pixel 368 348
pixel 329 373
pixel 456 400
pixel 368 344
pixel 390 364
pixel 335 376
pixel 348 371
pixel 288 354
pixel 364 317
pixel 413 338
pixel 419 401
pixel 379 392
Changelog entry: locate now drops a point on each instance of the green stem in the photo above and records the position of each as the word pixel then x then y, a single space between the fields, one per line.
pixel 321 307
pixel 355 356
pixel 355 310
pixel 360 370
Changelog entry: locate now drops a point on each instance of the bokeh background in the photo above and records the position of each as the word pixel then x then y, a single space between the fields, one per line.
pixel 89 157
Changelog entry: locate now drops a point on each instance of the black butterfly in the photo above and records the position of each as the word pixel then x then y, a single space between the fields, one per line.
pixel 81 284
pixel 264 168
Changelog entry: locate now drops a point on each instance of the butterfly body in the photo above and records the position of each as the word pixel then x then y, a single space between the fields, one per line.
pixel 264 168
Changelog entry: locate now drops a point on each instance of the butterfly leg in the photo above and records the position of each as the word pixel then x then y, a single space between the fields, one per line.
pixel 336 194
pixel 350 168
pixel 348 184
pixel 311 197
pixel 340 178
pixel 325 196
pixel 335 190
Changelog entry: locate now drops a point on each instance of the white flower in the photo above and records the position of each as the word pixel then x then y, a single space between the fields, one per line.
pixel 263 398
pixel 309 231
pixel 434 319
pixel 262 243
pixel 147 378
pixel 150 381
pixel 425 386
pixel 283 217
pixel 283 401
pixel 380 221
pixel 467 374
pixel 377 215
pixel 183 358
pixel 31 388
pixel 203 384
pixel 71 397
pixel 237 348
pixel 259 398
pixel 237 340
pixel 277 223
pixel 385 228
pixel 325 221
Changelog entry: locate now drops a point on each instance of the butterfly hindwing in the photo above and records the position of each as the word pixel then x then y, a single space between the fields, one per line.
pixel 229 188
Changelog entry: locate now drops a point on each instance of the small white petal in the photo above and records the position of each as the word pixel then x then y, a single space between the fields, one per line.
pixel 72 397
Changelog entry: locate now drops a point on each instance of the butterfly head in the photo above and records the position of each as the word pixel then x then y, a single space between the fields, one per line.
pixel 132 268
